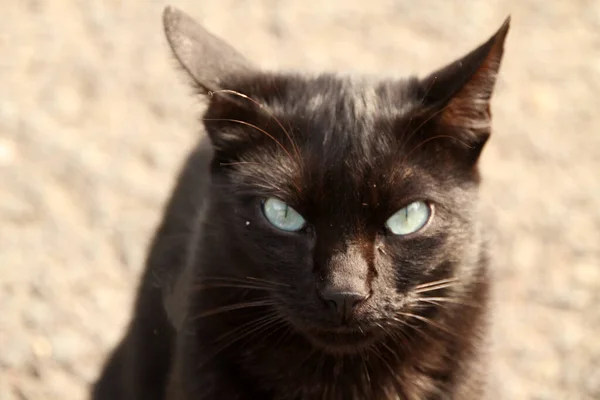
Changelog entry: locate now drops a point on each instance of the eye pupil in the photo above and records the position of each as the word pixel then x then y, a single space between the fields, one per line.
pixel 409 219
pixel 282 216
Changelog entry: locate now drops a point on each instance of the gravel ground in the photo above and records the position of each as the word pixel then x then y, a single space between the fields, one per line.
pixel 95 121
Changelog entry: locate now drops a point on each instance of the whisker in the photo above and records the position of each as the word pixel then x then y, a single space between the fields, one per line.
pixel 428 321
pixel 252 322
pixel 267 281
pixel 404 338
pixel 232 307
pixel 389 349
pixel 445 280
pixel 256 327
pixel 410 136
pixel 252 126
pixel 274 324
pixel 239 162
pixel 414 131
pixel 404 341
pixel 260 130
pixel 243 280
pixel 436 287
pixel 435 300
pixel 291 130
pixel 230 285
pixel 275 321
pixel 281 325
pixel 262 107
pixel 413 327
pixel 426 303
pixel 435 78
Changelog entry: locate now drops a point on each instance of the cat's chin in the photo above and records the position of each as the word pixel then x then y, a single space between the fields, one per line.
pixel 341 342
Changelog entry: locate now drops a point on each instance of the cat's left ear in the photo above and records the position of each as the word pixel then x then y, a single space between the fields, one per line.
pixel 206 58
pixel 459 94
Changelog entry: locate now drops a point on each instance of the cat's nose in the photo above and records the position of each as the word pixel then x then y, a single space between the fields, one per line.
pixel 344 302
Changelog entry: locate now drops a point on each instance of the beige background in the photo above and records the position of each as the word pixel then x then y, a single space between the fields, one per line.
pixel 95 120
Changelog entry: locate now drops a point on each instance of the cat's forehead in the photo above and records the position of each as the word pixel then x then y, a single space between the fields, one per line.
pixel 344 96
pixel 336 117
pixel 343 130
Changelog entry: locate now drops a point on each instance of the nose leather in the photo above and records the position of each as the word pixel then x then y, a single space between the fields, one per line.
pixel 345 302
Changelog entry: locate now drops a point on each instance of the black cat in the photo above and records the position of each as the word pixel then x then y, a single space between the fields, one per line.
pixel 323 240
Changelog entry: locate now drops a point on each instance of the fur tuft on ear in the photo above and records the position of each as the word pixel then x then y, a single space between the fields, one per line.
pixel 205 57
pixel 460 92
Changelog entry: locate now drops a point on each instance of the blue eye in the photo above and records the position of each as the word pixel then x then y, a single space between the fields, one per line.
pixel 282 216
pixel 409 219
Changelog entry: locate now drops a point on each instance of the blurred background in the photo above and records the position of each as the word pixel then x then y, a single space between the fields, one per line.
pixel 95 121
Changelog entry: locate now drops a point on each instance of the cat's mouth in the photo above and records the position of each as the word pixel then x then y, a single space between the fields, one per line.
pixel 342 341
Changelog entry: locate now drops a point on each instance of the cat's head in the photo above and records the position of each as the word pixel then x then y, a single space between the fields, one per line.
pixel 354 198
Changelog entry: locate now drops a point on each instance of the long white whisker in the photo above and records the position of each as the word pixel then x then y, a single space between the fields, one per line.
pixel 435 287
pixel 433 283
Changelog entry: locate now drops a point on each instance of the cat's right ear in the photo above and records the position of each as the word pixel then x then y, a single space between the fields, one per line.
pixel 459 94
pixel 206 58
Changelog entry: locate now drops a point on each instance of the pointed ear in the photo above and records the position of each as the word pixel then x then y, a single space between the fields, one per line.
pixel 206 58
pixel 460 92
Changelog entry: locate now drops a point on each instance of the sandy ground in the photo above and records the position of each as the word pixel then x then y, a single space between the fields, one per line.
pixel 95 121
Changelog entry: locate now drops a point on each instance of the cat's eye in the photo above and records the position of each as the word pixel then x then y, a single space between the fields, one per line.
pixel 409 219
pixel 282 216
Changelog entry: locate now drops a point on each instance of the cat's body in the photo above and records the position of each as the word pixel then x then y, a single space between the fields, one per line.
pixel 234 305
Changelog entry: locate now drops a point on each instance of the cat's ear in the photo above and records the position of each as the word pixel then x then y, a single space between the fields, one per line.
pixel 459 94
pixel 206 58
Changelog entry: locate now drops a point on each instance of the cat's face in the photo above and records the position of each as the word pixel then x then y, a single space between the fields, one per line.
pixel 352 198
pixel 350 208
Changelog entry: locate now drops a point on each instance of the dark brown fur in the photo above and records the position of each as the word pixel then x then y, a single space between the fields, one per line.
pixel 232 308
